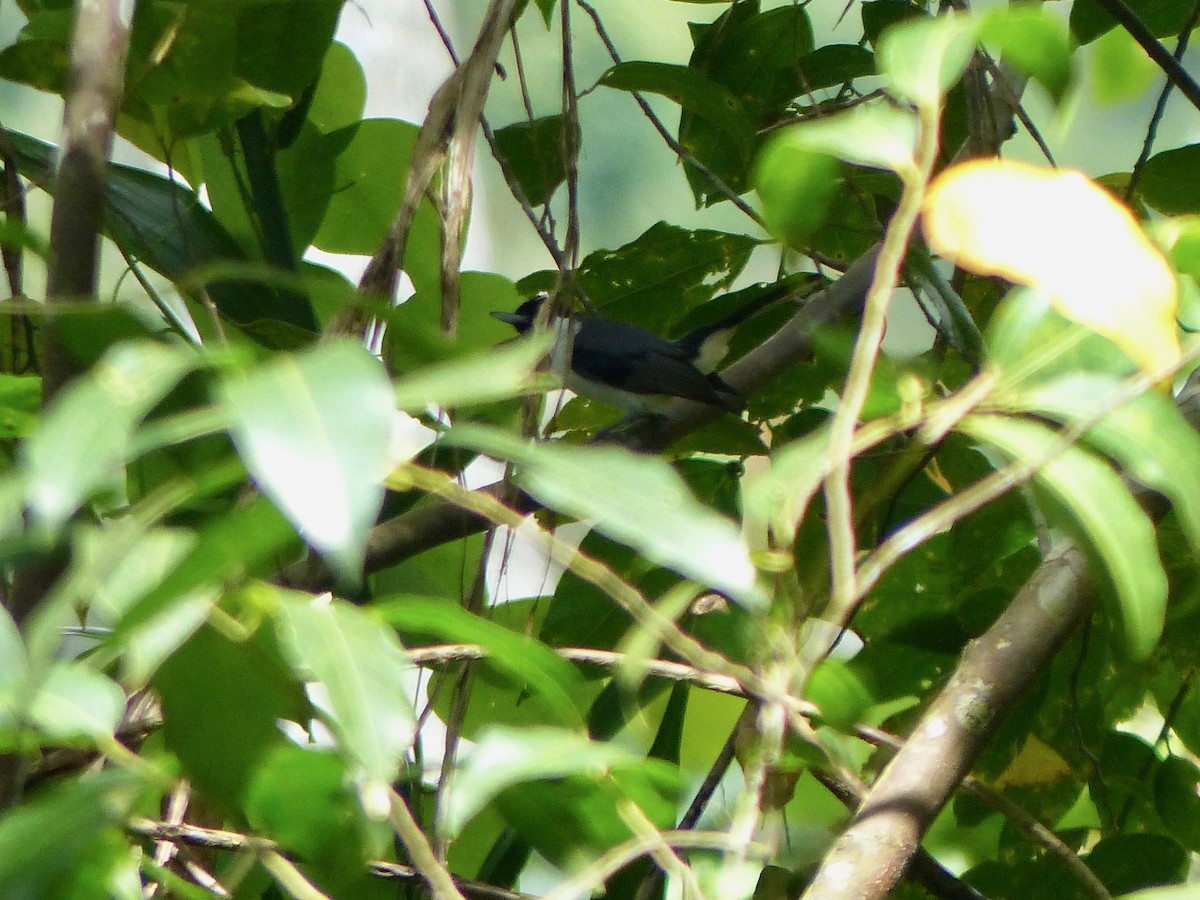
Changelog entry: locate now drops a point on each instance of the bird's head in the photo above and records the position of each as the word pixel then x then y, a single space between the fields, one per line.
pixel 524 316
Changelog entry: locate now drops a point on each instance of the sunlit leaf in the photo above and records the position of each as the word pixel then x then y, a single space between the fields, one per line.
pixel 550 680
pixel 978 215
pixel 636 500
pixel 873 134
pixel 314 429
pixel 504 372
pixel 921 59
pixel 1106 513
pixel 1146 435
pixel 504 757
pixel 363 669
pixel 76 702
pixel 84 439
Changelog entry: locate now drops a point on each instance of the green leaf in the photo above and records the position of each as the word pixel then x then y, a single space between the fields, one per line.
pixel 314 430
pixel 341 91
pixel 552 682
pixel 1106 513
pixel 84 439
pixel 637 500
pixel 873 134
pixel 780 497
pixel 20 401
pixel 365 673
pixel 1164 18
pixel 655 279
pixel 66 842
pixel 1146 435
pixel 1127 862
pixel 303 798
pixel 921 59
pixel 533 152
pixel 833 65
pixel 75 702
pixel 222 701
pixel 504 757
pixel 1034 42
pixel 1176 782
pixel 1168 183
pixel 1030 343
pixel 163 225
pixel 691 89
pixel 240 541
pixel 367 197
pixel 879 15
pixel 507 371
pixel 797 188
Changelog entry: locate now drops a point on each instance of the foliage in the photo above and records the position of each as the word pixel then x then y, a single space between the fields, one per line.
pixel 254 644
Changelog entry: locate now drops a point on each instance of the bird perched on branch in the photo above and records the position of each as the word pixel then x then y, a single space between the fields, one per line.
pixel 637 370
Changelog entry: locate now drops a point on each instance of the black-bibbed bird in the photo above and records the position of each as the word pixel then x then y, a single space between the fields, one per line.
pixel 634 369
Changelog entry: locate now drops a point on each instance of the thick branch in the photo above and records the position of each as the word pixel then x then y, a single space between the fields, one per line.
pixel 995 672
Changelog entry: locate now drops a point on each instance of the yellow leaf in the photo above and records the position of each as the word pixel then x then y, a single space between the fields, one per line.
pixel 1057 230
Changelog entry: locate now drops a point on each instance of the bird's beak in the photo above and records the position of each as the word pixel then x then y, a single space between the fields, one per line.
pixel 510 318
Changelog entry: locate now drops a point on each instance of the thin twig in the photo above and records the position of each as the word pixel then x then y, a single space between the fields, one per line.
pixel 1160 107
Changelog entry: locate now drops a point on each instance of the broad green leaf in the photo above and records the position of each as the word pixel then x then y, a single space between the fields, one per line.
pixel 84 439
pixel 20 401
pixel 835 64
pixel 1120 70
pixel 796 186
pixel 1106 513
pixel 314 431
pixel 637 500
pixel 1130 862
pixel 240 541
pixel 163 225
pixel 1030 342
pixel 1164 18
pixel 341 90
pixel 1177 796
pixel 779 498
pixel 759 57
pixel 415 339
pixel 76 702
pixel 551 681
pixel 222 701
pixel 364 671
pixel 691 89
pixel 66 842
pixel 873 134
pixel 303 798
pixel 504 757
pixel 1032 41
pixel 658 276
pixel 533 153
pixel 921 59
pixel 367 197
pixel 1168 182
pixel 1146 435
pixel 119 584
pixel 507 371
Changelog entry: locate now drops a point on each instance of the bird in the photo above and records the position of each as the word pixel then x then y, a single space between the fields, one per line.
pixel 634 369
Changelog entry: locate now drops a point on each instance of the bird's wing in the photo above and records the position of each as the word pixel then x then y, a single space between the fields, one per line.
pixel 640 362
